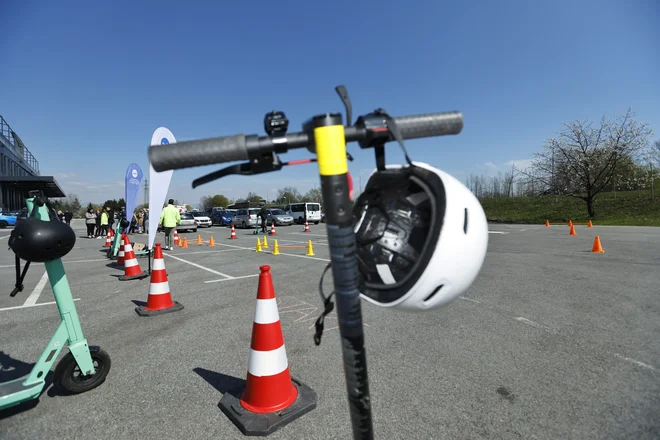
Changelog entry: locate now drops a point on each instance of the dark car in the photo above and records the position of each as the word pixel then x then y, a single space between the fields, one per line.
pixel 221 218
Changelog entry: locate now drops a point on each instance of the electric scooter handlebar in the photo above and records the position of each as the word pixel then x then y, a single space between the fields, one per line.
pixel 210 151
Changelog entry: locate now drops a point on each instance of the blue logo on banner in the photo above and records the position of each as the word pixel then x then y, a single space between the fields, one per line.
pixel 133 182
pixel 164 141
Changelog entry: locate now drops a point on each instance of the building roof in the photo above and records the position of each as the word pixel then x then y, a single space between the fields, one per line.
pixel 47 184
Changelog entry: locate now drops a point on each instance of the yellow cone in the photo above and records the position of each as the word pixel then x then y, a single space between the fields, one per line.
pixel 265 245
pixel 310 250
pixel 276 249
pixel 258 246
pixel 199 239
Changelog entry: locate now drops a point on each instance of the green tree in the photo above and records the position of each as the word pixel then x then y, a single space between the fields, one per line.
pixel 288 194
pixel 583 159
pixel 254 198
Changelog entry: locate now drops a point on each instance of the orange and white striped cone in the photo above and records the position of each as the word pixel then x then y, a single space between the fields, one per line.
pixel 176 238
pixel 159 300
pixel 108 239
pixel 306 226
pixel 272 229
pixel 132 269
pixel 270 398
pixel 233 232
pixel 121 255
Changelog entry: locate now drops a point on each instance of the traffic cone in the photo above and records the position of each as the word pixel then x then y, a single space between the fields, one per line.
pixel 306 227
pixel 132 269
pixel 159 300
pixel 276 249
pixel 179 243
pixel 211 241
pixel 258 246
pixel 121 255
pixel 572 232
pixel 570 223
pixel 597 246
pixel 272 229
pixel 199 239
pixel 108 239
pixel 233 232
pixel 265 245
pixel 590 225
pixel 547 224
pixel 176 238
pixel 185 242
pixel 270 397
pixel 310 250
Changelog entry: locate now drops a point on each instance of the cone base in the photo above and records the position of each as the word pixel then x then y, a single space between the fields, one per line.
pixel 142 310
pixel 137 276
pixel 254 424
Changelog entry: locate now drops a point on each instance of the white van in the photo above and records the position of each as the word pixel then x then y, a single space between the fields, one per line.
pixel 298 211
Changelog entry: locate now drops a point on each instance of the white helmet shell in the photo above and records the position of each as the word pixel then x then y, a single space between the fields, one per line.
pixel 453 252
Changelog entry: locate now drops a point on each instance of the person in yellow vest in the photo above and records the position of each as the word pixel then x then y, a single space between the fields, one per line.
pixel 169 219
pixel 104 223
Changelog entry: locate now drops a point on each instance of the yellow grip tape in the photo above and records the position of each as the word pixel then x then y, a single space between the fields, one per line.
pixel 331 150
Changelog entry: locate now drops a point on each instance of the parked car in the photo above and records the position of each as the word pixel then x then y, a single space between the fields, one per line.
pixel 278 216
pixel 7 220
pixel 221 218
pixel 203 220
pixel 188 223
pixel 246 218
pixel 302 210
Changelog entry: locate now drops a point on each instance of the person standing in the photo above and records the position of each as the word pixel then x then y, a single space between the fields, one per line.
pixel 169 219
pixel 263 213
pixel 104 223
pixel 90 222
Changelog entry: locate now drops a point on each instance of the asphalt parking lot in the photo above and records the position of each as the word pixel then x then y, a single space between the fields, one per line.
pixel 552 341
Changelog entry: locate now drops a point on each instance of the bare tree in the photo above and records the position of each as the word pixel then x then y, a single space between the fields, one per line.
pixel 583 159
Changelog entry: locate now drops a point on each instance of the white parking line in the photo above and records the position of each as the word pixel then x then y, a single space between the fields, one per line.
pixel 200 266
pixel 497 232
pixel 63 261
pixel 34 296
pixel 233 278
pixel 4 236
pixel 210 252
pixel 33 305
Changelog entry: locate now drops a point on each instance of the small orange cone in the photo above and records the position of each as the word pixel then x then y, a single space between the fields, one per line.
pixel 572 232
pixel 233 232
pixel 272 229
pixel 590 225
pixel 108 239
pixel 159 300
pixel 597 246
pixel 199 239
pixel 132 269
pixel 306 226
pixel 270 398
pixel 547 224
pixel 185 242
pixel 180 243
pixel 211 241
pixel 176 238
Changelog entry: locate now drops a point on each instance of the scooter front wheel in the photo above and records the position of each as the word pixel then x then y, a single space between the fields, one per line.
pixel 68 375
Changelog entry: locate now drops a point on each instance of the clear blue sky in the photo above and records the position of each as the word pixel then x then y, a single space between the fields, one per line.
pixel 85 84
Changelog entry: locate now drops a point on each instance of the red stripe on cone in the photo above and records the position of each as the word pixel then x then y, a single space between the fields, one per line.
pixel 267 337
pixel 256 400
pixel 121 256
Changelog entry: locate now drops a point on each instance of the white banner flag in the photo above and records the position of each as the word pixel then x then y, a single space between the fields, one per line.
pixel 159 183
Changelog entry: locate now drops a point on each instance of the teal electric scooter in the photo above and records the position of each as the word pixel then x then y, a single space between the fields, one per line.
pixel 41 237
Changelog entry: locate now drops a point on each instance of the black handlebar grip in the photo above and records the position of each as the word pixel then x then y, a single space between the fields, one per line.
pixel 431 124
pixel 199 152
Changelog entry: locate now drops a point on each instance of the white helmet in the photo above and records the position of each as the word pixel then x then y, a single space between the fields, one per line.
pixel 421 240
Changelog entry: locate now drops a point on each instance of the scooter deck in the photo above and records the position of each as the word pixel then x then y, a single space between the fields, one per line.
pixel 17 391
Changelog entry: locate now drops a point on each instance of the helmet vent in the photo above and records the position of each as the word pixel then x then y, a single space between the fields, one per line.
pixel 465 221
pixel 432 294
